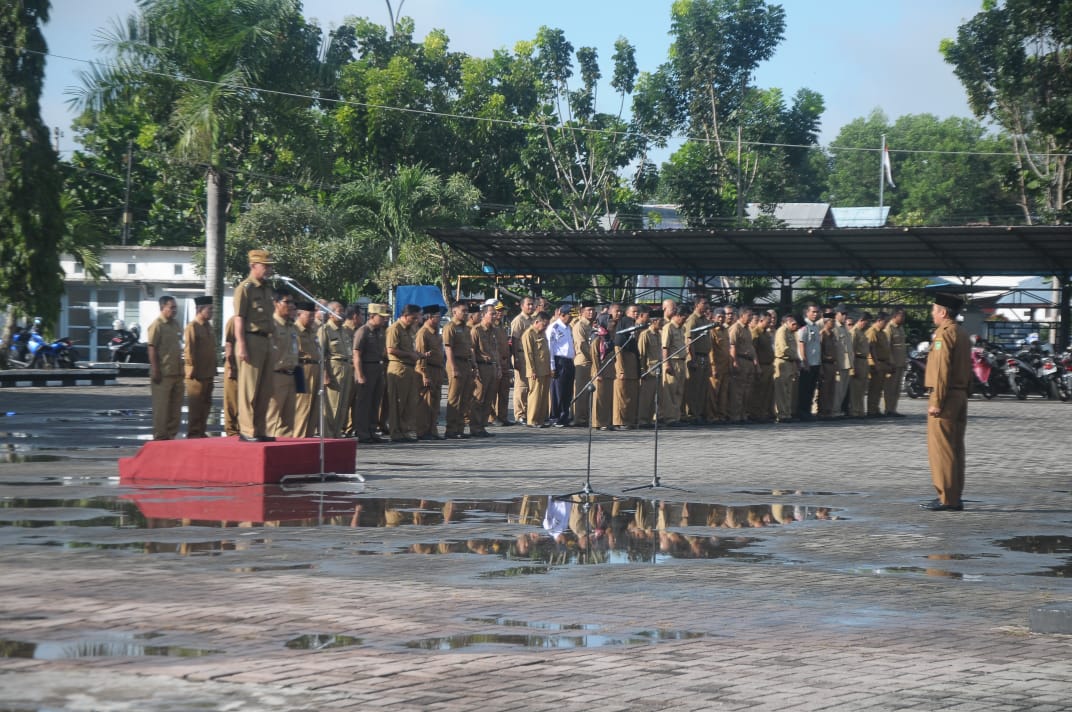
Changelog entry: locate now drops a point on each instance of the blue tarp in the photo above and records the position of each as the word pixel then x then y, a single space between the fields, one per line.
pixel 422 295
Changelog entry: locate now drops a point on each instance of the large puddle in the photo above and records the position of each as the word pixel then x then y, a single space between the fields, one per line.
pixel 538 531
pixel 103 644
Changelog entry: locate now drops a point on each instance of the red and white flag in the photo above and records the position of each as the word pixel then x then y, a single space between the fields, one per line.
pixel 887 166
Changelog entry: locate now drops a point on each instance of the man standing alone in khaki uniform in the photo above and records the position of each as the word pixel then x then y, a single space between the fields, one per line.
pixel 402 383
pixel 284 342
pixel 948 378
pixel 898 361
pixel 199 345
pixel 165 370
pixel 253 327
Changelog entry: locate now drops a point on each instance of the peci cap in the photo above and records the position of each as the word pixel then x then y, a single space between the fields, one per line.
pixel 306 306
pixel 656 313
pixel 841 309
pixel 205 301
pixel 586 304
pixel 381 309
pixel 263 257
pixel 829 315
pixel 948 301
pixel 430 309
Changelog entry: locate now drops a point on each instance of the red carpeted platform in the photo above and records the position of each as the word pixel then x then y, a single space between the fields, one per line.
pixel 231 461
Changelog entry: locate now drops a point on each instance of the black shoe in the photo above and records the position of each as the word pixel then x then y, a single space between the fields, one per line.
pixel 456 436
pixel 482 434
pixel 935 505
pixel 895 415
pixel 248 438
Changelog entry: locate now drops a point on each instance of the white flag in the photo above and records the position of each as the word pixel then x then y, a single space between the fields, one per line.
pixel 887 166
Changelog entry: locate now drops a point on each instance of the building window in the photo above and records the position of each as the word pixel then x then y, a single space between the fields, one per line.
pixel 132 268
pixel 107 267
pixel 79 268
pixel 178 270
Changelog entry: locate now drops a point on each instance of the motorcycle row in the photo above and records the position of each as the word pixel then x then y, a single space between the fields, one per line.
pixel 28 348
pixel 1028 370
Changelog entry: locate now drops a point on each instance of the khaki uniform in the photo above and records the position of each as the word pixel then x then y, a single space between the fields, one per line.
pixel 285 357
pixel 861 350
pixel 898 362
pixel 518 327
pixel 538 367
pixel 488 372
pixel 949 379
pixel 671 401
pixel 307 405
pixel 460 371
pixel 199 349
pixel 761 403
pixel 164 336
pixel 368 350
pixel 786 373
pixel 230 383
pixel 650 350
pixel 335 344
pixel 501 407
pixel 433 374
pixel 402 383
pixel 698 374
pixel 626 379
pixel 602 354
pixel 844 365
pixel 721 368
pixel 253 303
pixel 741 377
pixel 828 368
pixel 582 368
pixel 881 367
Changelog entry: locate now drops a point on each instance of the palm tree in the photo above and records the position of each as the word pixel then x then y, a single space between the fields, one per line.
pixel 200 61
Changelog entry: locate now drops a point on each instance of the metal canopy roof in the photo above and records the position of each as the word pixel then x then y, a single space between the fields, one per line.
pixel 922 252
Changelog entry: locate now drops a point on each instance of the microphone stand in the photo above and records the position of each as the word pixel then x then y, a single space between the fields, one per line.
pixel 293 284
pixel 589 389
pixel 656 370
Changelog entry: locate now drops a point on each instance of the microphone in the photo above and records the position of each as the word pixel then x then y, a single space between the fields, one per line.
pixel 629 330
pixel 285 279
pixel 702 329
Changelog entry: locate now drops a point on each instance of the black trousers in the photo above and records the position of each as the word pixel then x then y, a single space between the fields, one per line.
pixel 562 390
pixel 809 380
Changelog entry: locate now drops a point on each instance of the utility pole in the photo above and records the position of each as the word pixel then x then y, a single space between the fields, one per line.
pixel 126 199
pixel 56 134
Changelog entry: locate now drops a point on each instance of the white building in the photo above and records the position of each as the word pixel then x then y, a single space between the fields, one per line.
pixel 135 278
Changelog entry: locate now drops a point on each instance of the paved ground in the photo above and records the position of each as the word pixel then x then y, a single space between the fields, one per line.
pixel 841 594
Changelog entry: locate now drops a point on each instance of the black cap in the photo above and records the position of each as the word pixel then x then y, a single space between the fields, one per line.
pixel 948 301
pixel 431 309
pixel 587 304
pixel 656 312
pixel 864 316
pixel 306 306
pixel 203 301
pixel 829 315
pixel 841 309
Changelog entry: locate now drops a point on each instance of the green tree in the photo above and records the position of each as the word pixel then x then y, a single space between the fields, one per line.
pixel 198 63
pixel 31 215
pixel 1014 58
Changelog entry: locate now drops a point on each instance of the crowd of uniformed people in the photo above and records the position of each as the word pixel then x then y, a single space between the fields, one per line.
pixel 615 367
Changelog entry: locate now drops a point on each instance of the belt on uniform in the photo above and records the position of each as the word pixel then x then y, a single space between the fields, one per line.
pixel 340 360
pixel 372 363
pixel 488 362
pixel 256 333
pixel 860 355
pixel 308 360
pixel 285 372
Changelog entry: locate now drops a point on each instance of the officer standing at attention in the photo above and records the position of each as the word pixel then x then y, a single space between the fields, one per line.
pixel 458 344
pixel 488 371
pixel 369 349
pixel 402 383
pixel 698 378
pixel 948 377
pixel 898 361
pixel 165 370
pixel 338 370
pixel 199 349
pixel 307 404
pixel 230 380
pixel 518 327
pixel 537 352
pixel 253 327
pixel 582 361
pixel 432 373
pixel 674 338
pixel 501 411
pixel 285 357
pixel 881 364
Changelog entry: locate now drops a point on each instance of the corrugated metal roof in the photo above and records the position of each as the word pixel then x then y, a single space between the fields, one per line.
pixel 795 215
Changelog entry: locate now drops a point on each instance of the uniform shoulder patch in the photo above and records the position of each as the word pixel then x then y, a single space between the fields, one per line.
pixel 937 344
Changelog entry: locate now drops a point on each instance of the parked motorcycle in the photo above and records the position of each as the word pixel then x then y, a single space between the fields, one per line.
pixel 1030 371
pixel 988 369
pixel 126 347
pixel 916 371
pixel 57 354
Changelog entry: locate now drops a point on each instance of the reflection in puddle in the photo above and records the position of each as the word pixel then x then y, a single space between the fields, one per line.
pixel 259 569
pixel 516 571
pixel 18 457
pixel 537 625
pixel 783 492
pixel 559 636
pixel 97 645
pixel 1042 544
pixel 959 557
pixel 322 641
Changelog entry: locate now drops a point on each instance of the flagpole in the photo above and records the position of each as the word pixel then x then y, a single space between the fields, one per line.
pixel 881 176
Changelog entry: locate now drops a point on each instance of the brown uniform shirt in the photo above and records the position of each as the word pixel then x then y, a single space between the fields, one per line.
pixel 335 342
pixel 253 302
pixel 398 337
pixel 372 343
pixel 650 348
pixel 898 347
pixel 485 345
pixel 673 339
pixel 308 348
pixel 503 340
pixel 582 342
pixel 230 365
pixel 537 353
pixel 828 348
pixel 740 337
pixel 861 348
pixel 948 363
pixel 785 345
pixel 284 344
pixel 720 345
pixel 880 346
pixel 429 340
pixel 164 336
pixel 199 347
pixel 457 336
pixel 763 345
pixel 703 344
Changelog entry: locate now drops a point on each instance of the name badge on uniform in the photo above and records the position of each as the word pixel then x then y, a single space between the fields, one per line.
pixel 937 345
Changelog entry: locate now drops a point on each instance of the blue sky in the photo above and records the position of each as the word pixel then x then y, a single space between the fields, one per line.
pixel 859 54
